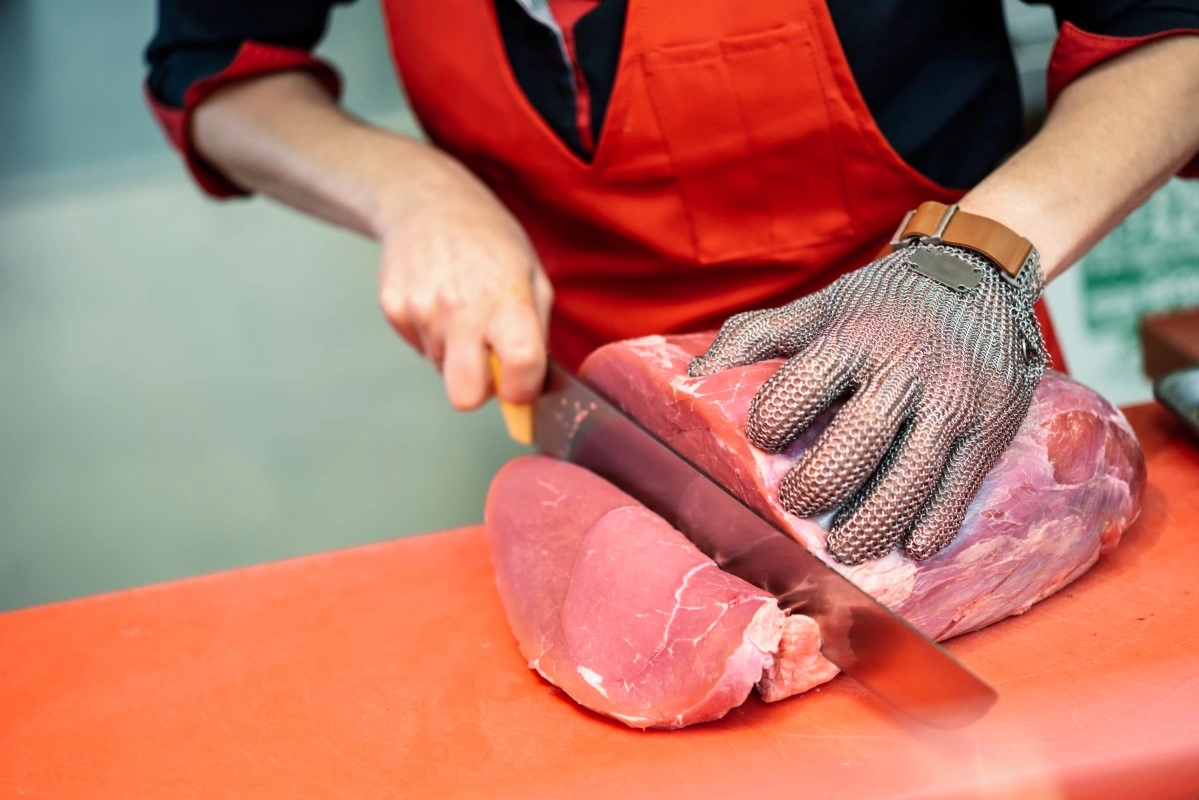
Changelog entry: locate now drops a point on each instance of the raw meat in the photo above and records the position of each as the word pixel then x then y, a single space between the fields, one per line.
pixel 619 610
pixel 1060 495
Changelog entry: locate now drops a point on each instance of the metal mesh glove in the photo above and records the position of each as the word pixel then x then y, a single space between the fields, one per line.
pixel 941 376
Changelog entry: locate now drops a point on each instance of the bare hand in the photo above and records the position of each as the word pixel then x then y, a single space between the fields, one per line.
pixel 459 280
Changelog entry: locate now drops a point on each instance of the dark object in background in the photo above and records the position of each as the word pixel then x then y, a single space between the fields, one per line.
pixel 1179 392
pixel 1170 341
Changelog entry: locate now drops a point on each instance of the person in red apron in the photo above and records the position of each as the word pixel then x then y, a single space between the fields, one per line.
pixel 601 170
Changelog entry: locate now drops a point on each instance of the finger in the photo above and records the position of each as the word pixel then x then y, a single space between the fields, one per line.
pixel 516 335
pixel 799 390
pixel 878 517
pixel 733 336
pixel 433 345
pixel 415 318
pixel 969 462
pixel 464 369
pixel 754 336
pixel 543 299
pixel 395 311
pixel 850 449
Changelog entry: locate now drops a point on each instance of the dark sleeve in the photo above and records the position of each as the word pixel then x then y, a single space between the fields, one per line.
pixel 1127 18
pixel 200 45
pixel 1092 31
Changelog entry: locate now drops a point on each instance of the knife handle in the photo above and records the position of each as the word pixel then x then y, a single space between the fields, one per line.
pixel 518 417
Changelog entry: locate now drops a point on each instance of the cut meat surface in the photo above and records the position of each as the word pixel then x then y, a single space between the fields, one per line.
pixel 619 610
pixel 1062 493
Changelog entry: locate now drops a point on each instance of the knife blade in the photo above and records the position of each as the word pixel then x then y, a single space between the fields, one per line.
pixel 863 638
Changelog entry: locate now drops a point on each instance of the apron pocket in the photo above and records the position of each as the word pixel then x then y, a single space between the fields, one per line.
pixel 750 139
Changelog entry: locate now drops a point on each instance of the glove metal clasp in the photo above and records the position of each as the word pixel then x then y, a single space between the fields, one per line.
pixel 943 268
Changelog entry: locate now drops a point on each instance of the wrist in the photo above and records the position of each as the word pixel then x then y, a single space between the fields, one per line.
pixel 415 177
pixel 1010 255
pixel 1030 213
pixel 978 257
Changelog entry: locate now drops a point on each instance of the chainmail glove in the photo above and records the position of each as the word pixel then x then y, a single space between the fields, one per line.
pixel 941 376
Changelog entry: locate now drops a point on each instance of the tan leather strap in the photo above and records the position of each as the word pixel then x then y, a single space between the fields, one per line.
pixel 941 223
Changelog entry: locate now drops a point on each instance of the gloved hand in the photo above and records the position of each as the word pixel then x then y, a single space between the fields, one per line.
pixel 941 379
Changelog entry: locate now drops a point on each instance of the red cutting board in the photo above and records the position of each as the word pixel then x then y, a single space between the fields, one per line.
pixel 388 671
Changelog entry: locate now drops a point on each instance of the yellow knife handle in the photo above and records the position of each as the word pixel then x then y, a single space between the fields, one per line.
pixel 518 417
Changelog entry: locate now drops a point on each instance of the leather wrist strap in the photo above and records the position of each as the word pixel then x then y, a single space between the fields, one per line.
pixel 934 223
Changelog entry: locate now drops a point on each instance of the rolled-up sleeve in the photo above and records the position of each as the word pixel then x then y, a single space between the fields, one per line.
pixel 200 45
pixel 1092 31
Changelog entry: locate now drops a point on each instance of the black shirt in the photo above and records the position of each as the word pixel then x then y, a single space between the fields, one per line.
pixel 937 75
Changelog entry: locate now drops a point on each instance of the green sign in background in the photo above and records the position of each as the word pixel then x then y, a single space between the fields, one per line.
pixel 1150 263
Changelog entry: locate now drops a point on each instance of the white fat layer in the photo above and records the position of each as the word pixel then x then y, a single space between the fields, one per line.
pixel 593 678
pixel 766 628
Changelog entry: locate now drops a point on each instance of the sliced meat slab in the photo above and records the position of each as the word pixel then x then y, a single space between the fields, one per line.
pixel 619 610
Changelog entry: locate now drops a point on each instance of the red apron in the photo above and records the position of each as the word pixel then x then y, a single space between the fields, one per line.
pixel 738 166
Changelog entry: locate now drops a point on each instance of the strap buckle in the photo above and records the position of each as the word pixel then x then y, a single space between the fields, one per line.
pixel 898 240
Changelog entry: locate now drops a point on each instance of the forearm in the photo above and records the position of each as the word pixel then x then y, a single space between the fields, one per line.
pixel 458 278
pixel 1114 136
pixel 283 135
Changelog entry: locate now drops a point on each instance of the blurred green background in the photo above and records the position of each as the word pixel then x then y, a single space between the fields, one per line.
pixel 188 386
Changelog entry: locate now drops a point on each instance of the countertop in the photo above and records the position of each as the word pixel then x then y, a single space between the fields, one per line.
pixel 388 671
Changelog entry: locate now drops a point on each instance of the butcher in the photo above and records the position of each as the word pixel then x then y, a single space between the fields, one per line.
pixel 847 184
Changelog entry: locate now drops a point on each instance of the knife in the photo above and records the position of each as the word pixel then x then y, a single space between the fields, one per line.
pixel 863 638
